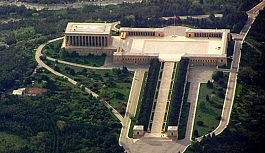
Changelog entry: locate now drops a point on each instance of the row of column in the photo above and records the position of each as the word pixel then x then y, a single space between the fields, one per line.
pixel 136 33
pixel 96 41
pixel 208 35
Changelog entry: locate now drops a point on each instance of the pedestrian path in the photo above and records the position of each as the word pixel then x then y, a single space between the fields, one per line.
pixel 162 99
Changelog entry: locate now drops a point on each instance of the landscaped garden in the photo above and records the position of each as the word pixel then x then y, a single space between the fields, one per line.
pixel 111 84
pixel 54 50
pixel 209 104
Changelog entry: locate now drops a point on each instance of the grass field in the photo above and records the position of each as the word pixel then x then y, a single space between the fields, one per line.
pixel 53 50
pixel 8 141
pixel 106 83
pixel 208 112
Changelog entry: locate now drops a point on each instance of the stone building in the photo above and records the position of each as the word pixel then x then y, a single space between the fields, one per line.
pixel 140 45
pixel 88 38
pixel 138 131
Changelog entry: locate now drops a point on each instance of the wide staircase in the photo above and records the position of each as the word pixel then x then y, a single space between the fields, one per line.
pixel 162 100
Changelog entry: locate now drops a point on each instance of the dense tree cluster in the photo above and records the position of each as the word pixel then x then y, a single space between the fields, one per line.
pixel 149 92
pixel 49 1
pixel 59 121
pixel 178 92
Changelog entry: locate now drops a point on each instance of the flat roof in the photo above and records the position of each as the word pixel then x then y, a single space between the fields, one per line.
pixel 138 127
pixel 208 30
pixel 170 48
pixel 88 28
pixel 18 91
pixel 172 128
pixel 141 29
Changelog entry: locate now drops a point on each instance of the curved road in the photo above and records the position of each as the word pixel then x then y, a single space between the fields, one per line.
pixel 42 64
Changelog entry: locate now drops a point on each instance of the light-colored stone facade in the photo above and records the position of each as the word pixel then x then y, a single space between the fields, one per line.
pixel 140 45
pixel 172 131
pixel 138 131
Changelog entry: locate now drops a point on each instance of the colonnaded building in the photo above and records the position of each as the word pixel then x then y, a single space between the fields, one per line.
pixel 140 45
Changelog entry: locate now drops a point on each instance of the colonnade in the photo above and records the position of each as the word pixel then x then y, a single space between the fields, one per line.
pixel 204 34
pixel 96 41
pixel 144 33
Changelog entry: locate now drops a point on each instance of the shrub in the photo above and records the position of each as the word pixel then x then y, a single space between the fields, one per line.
pixel 218 118
pixel 200 123
pixel 196 133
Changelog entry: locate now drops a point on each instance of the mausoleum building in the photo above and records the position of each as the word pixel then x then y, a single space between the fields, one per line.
pixel 140 45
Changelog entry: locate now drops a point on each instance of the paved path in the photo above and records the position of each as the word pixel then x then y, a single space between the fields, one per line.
pixel 132 104
pixel 232 80
pixel 42 64
pixel 162 99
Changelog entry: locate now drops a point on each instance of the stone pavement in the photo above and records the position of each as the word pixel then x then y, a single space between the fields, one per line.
pixel 162 99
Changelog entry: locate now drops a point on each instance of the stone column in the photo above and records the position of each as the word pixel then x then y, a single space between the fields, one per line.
pixel 78 41
pixel 101 41
pixel 89 40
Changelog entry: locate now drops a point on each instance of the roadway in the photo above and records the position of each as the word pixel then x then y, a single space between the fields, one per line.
pixel 232 80
pixel 38 54
pixel 161 146
pixel 131 108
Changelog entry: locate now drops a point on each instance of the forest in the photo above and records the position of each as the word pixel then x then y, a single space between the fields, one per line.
pixel 245 132
pixel 65 119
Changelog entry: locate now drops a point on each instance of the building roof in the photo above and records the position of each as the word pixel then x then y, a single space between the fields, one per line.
pixel 208 30
pixel 88 28
pixel 169 48
pixel 142 29
pixel 172 128
pixel 138 127
pixel 35 91
pixel 19 91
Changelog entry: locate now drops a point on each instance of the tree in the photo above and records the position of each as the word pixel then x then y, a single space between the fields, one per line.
pixel 209 84
pixel 196 133
pixel 72 72
pixel 200 123
pixel 207 98
pixel 63 53
pixel 56 68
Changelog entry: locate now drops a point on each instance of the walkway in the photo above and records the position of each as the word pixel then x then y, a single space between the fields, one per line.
pixel 38 54
pixel 162 99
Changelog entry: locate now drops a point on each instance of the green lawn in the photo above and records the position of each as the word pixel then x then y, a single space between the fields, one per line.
pixel 135 118
pixel 53 50
pixel 8 141
pixel 113 88
pixel 208 112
